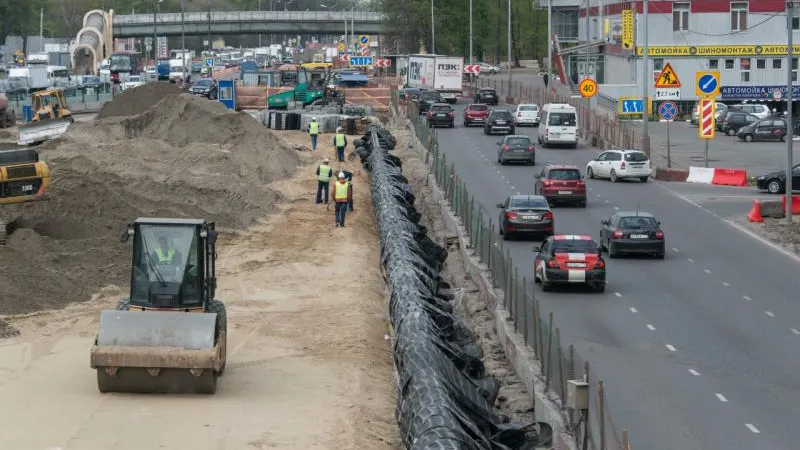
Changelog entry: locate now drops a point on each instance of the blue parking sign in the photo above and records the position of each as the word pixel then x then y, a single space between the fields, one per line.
pixel 209 62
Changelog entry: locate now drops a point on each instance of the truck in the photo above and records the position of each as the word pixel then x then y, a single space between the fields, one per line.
pixel 436 72
pixel 37 63
pixel 176 68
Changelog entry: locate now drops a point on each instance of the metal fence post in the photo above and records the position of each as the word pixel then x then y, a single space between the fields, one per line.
pixel 601 392
pixel 479 241
pixel 509 275
pixel 560 355
pixel 525 318
pixel 515 298
pixel 548 365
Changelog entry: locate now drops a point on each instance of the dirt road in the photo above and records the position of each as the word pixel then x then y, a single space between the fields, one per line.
pixel 308 365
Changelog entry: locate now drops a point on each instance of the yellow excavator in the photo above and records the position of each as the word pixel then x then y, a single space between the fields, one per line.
pixel 51 117
pixel 23 178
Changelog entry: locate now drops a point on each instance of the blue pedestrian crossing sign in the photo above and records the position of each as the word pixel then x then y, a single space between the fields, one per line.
pixel 707 83
pixel 633 105
pixel 361 61
pixel 209 62
pixel 668 110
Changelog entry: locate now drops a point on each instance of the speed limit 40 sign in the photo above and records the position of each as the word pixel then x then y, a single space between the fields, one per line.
pixel 588 88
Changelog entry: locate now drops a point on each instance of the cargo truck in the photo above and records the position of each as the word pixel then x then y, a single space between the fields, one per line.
pixel 435 72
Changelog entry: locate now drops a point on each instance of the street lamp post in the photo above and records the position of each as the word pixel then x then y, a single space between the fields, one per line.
pixel 183 39
pixel 433 31
pixel 549 37
pixel 155 31
pixel 790 13
pixel 509 46
pixel 470 31
pixel 646 80
pixel 259 34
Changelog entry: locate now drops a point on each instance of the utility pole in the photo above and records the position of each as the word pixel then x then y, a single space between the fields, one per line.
pixel 549 37
pixel 259 34
pixel 183 40
pixel 41 27
pixel 433 31
pixel 210 46
pixel 509 45
pixel 470 31
pixel 647 78
pixel 586 50
pixel 353 27
pixel 155 32
pixel 789 103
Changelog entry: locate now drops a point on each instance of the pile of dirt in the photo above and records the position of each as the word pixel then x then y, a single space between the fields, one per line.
pixel 184 157
pixel 138 100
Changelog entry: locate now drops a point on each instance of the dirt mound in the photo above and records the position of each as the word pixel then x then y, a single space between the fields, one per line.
pixel 184 157
pixel 138 100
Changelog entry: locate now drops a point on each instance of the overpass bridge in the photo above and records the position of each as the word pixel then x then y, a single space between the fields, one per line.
pixel 247 22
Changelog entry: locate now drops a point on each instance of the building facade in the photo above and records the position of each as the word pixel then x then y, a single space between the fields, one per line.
pixel 745 41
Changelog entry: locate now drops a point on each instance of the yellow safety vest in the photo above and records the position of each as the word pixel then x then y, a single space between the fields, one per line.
pixel 340 140
pixel 313 128
pixel 325 173
pixel 165 258
pixel 340 195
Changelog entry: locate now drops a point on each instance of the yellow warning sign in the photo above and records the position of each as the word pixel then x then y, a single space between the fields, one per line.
pixel 627 29
pixel 668 78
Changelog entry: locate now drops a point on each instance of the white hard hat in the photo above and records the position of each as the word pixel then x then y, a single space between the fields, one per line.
pixel 338 128
pixel 314 119
pixel 341 174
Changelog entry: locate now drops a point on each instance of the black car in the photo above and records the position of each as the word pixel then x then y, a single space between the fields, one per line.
pixel 487 96
pixel 775 182
pixel 525 214
pixel 428 98
pixel 516 148
pixel 499 120
pixel 441 114
pixel 206 87
pixel 734 120
pixel 771 129
pixel 410 93
pixel 569 259
pixel 92 82
pixel 632 232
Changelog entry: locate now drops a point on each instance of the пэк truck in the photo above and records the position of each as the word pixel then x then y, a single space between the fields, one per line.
pixel 440 73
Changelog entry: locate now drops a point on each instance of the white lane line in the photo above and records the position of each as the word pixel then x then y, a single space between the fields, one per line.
pixel 744 296
pixel 724 283
pixel 633 310
pixel 508 182
pixel 752 428
pixel 690 260
pixel 514 189
pixel 721 398
pixel 503 177
pixel 704 270
pixel 794 330
pixel 617 293
pixel 650 327
pixel 670 348
pixel 590 189
pixel 694 372
pixel 605 201
pixel 598 195
pixel 673 248
pixel 769 313
pixel 616 208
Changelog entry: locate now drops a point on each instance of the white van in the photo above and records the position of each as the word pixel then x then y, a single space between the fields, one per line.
pixel 558 125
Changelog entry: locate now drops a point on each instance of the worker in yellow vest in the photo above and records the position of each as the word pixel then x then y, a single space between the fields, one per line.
pixel 340 142
pixel 324 175
pixel 342 196
pixel 313 131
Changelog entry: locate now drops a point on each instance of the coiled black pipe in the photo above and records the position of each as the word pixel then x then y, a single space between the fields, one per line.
pixel 445 401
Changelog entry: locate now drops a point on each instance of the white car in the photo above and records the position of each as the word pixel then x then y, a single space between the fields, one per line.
pixel 527 114
pixel 488 69
pixel 132 82
pixel 619 164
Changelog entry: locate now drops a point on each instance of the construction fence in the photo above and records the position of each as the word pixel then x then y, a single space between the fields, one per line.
pixel 594 428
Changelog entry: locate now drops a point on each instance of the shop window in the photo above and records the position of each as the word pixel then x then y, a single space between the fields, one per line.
pixel 680 16
pixel 739 16
pixel 744 65
pixel 761 63
pixel 729 64
pixel 777 63
pixel 658 64
pixel 713 64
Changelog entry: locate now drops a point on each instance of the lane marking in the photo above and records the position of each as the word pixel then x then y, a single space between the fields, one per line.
pixel 726 284
pixel 605 201
pixel 616 208
pixel 675 250
pixel 617 294
pixel 752 428
pixel 598 195
pixel 670 348
pixel 690 260
pixel 794 330
pixel 513 188
pixel 707 271
pixel 721 398
pixel 633 310
pixel 769 313
pixel 503 177
pixel 694 372
pixel 650 327
pixel 747 298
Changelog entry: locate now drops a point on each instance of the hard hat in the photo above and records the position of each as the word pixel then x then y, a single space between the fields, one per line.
pixel 338 128
pixel 326 160
pixel 341 174
pixel 314 119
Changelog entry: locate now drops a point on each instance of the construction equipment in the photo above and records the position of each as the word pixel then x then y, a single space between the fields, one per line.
pixel 170 335
pixel 8 117
pixel 309 88
pixel 23 178
pixel 51 117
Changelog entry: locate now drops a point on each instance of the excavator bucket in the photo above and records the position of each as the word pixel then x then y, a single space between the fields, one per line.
pixel 158 352
pixel 43 130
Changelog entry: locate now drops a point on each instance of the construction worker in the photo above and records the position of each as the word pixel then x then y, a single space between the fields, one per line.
pixel 324 175
pixel 313 131
pixel 349 177
pixel 340 142
pixel 342 196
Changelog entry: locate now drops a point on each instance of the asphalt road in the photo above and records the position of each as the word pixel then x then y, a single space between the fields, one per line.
pixel 699 350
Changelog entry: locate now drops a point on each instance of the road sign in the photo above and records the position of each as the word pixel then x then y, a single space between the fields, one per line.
pixel 363 39
pixel 342 47
pixel 381 62
pixel 588 88
pixel 472 68
pixel 707 83
pixel 361 61
pixel 668 78
pixel 667 94
pixel 627 29
pixel 707 106
pixel 209 62
pixel 668 110
pixel 344 56
pixel 633 105
pixel 777 94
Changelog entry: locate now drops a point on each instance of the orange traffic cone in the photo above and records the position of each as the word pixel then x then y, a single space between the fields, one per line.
pixel 755 212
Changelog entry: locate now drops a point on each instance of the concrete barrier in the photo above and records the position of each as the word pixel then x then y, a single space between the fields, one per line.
pixel 773 208
pixel 666 174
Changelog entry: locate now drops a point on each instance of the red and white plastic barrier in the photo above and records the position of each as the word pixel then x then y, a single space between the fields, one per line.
pixel 723 177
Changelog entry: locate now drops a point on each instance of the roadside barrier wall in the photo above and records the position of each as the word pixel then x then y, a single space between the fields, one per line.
pixel 445 400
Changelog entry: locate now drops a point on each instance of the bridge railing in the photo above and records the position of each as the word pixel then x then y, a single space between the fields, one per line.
pixel 251 16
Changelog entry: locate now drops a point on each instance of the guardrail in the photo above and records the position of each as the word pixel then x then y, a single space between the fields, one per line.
pixel 250 16
pixel 559 362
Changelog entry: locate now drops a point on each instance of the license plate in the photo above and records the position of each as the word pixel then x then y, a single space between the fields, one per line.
pixel 534 217
pixel 501 122
pixel 565 192
pixel 519 150
pixel 440 115
pixel 577 265
pixel 639 236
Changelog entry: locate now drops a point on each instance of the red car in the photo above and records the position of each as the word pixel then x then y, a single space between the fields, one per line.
pixel 476 113
pixel 561 184
pixel 569 259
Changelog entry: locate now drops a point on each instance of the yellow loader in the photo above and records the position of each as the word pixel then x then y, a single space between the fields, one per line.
pixel 51 118
pixel 23 178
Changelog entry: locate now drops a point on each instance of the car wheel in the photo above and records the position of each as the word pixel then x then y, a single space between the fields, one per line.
pixel 466 124
pixel 730 132
pixel 590 172
pixel 643 179
pixel 613 176
pixel 533 162
pixel 602 245
pixel 783 138
pixel 612 252
pixel 582 204
pixel 502 162
pixel 453 125
pixel 506 236
pixel 775 186
pixel 659 256
pixel 748 138
pixel 600 288
pixel 546 286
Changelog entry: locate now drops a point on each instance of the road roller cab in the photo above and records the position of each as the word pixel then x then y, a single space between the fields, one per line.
pixel 169 335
